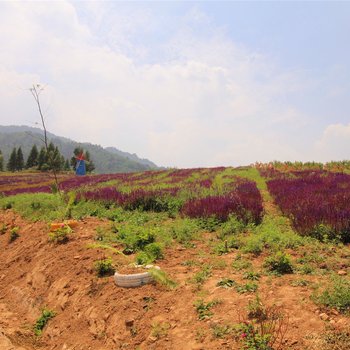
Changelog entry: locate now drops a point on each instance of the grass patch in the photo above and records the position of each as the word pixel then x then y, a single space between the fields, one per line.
pixel 162 278
pixel 42 321
pixel 336 295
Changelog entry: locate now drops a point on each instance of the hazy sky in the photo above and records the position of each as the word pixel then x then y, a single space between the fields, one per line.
pixel 184 84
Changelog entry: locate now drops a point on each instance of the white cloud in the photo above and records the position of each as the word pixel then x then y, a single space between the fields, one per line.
pixel 334 143
pixel 212 102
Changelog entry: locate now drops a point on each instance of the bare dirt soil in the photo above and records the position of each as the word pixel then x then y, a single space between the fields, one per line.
pixel 93 313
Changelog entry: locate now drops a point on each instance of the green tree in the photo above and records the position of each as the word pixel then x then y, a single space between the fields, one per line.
pixel 19 160
pixel 42 158
pixel 32 160
pixel 12 162
pixel 90 166
pixel 1 162
pixel 66 165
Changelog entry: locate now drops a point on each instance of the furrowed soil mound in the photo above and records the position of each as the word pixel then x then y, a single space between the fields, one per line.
pixel 93 313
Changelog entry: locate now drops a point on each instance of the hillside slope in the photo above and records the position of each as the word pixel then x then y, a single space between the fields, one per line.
pixel 107 160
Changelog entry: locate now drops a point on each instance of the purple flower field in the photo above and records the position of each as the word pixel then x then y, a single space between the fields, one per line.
pixel 317 202
pixel 193 192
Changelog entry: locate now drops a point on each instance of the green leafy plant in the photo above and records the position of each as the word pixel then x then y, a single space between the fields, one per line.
pixel 201 276
pixel 210 224
pixel 203 309
pixel 61 235
pixel 135 237
pixel 226 283
pixel 151 253
pixel 185 230
pixel 42 321
pixel 231 227
pixel 104 267
pixel 249 287
pixel 14 234
pixel 251 275
pixel 279 263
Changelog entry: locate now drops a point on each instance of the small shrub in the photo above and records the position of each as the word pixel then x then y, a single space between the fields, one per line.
pixel 253 245
pixel 203 309
pixel 226 283
pixel 279 263
pixel 61 235
pixel 135 237
pixel 251 275
pixel 209 224
pixel 104 267
pixel 151 253
pixel 142 258
pixel 154 250
pixel 230 227
pixel 249 287
pixel 221 248
pixel 14 234
pixel 42 321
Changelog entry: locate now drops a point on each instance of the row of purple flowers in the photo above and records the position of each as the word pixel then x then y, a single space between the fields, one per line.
pixel 245 202
pixel 316 202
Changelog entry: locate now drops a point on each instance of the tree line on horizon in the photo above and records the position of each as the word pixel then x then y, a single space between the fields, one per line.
pixel 44 160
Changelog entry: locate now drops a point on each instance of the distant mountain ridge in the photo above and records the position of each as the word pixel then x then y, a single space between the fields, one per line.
pixel 106 160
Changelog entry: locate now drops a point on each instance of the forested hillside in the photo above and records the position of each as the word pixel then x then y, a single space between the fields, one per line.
pixel 106 160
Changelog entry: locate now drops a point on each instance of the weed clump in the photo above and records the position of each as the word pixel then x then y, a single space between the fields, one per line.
pixel 42 321
pixel 204 309
pixel 14 234
pixel 336 295
pixel 226 283
pixel 151 253
pixel 279 263
pixel 104 267
pixel 61 235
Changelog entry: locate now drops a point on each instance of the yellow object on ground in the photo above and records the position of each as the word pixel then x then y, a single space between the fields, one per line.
pixel 57 225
